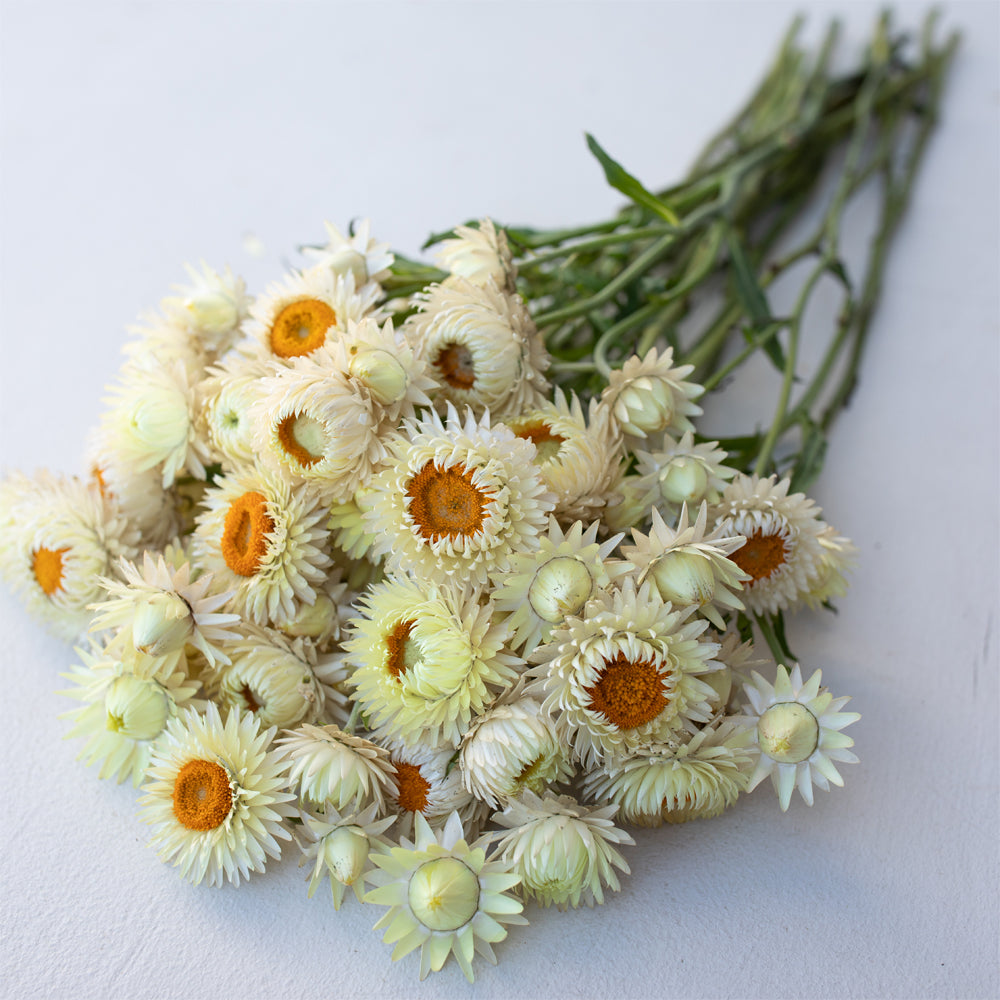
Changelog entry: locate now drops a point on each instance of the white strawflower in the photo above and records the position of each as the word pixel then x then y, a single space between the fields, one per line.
pixel 649 395
pixel 265 540
pixel 361 256
pixel 128 698
pixel 215 798
pixel 677 782
pixel 482 347
pixel 340 845
pixel 782 555
pixel 542 588
pixel 329 765
pixel 796 730
pixel 580 458
pixel 456 497
pixel 428 658
pixel 564 852
pixel 682 472
pixel 444 897
pixel 227 397
pixel 622 675
pixel 164 610
pixel 210 308
pixel 479 255
pixel 690 565
pixel 838 556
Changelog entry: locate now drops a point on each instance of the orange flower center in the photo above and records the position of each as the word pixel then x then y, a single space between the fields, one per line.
pixel 203 799
pixel 398 646
pixel 295 434
pixel 244 536
pixel 547 443
pixel 445 503
pixel 47 565
pixel 97 474
pixel 301 327
pixel 456 366
pixel 413 787
pixel 629 692
pixel 761 556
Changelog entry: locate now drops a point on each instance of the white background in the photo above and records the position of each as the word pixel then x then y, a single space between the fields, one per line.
pixel 135 137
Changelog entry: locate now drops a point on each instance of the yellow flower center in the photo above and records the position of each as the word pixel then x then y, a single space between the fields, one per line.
pixel 443 894
pixel 629 692
pixel 301 438
pixel 203 798
pixel 244 536
pixel 401 652
pixel 413 787
pixel 445 503
pixel 301 327
pixel 547 443
pixel 47 565
pixel 761 556
pixel 455 363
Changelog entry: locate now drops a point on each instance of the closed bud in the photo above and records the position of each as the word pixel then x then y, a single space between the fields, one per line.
pixel 137 709
pixel 346 853
pixel 163 623
pixel 381 374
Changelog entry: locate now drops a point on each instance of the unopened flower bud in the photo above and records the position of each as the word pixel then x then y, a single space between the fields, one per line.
pixel 162 624
pixel 212 312
pixel 683 480
pixel 645 407
pixel 346 853
pixel 137 709
pixel 684 578
pixel 382 375
pixel 313 619
pixel 444 894
pixel 347 260
pixel 561 587
pixel 788 732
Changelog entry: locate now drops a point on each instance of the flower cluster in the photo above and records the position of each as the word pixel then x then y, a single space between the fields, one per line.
pixel 472 604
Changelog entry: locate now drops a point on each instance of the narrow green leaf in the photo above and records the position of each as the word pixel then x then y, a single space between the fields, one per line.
pixel 766 340
pixel 747 287
pixel 621 180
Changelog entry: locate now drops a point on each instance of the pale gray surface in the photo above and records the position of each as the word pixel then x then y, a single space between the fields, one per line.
pixel 137 136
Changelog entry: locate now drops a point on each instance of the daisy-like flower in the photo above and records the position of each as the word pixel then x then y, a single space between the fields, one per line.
pixel 164 609
pixel 622 675
pixel 361 256
pixel 650 395
pixel 783 555
pixel 796 729
pixel 564 852
pixel 300 314
pixel 429 657
pixel 215 797
pixel 690 565
pixel 340 847
pixel 682 472
pixel 128 699
pixel 677 782
pixel 329 765
pixel 210 308
pixel 479 255
pixel 580 460
pixel 444 897
pixel 511 747
pixel 456 498
pixel 58 538
pixel 482 346
pixel 265 540
pixel 543 587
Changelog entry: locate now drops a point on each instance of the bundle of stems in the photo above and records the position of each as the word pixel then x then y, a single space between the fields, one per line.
pixel 804 147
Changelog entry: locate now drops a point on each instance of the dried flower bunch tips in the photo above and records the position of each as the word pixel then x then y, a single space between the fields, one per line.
pixel 429 573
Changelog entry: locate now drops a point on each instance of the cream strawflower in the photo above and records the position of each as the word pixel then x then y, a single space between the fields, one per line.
pixel 210 308
pixel 300 314
pixel 280 680
pixel 265 540
pixel 444 897
pixel 226 398
pixel 677 782
pixel 542 588
pixel 511 747
pixel 649 395
pixel 456 498
pixel 339 847
pixel 329 765
pixel 482 347
pixel 622 675
pixel 783 554
pixel 215 797
pixel 580 460
pixel 359 255
pixel 58 538
pixel 682 472
pixel 564 852
pixel 128 698
pixel 689 565
pixel 839 555
pixel 796 729
pixel 164 610
pixel 479 255
pixel 428 658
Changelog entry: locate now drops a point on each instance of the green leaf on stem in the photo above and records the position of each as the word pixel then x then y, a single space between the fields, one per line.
pixel 621 180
